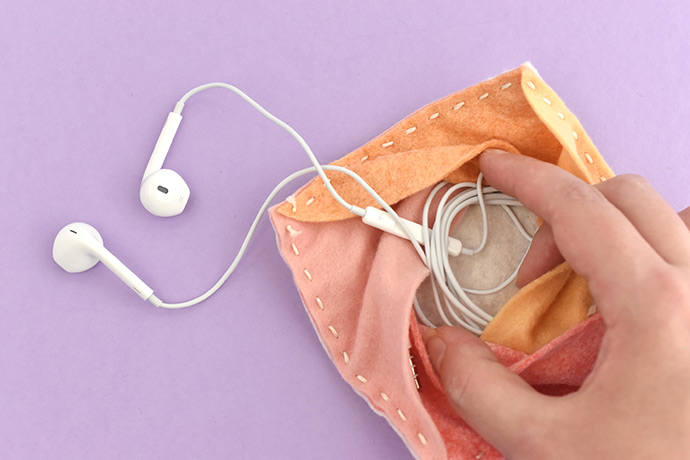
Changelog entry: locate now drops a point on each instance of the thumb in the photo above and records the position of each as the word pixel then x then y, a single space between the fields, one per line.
pixel 685 215
pixel 492 399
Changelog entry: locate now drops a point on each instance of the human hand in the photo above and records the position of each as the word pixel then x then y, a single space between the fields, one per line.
pixel 634 251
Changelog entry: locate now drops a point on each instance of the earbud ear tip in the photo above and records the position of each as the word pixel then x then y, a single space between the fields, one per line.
pixel 164 193
pixel 68 250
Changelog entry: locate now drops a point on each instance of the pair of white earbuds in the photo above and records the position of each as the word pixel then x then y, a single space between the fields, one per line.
pixel 79 246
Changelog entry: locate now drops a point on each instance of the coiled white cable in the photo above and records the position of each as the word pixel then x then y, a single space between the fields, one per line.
pixel 452 297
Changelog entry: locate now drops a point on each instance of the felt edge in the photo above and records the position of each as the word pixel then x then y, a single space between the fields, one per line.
pixel 273 211
pixel 568 130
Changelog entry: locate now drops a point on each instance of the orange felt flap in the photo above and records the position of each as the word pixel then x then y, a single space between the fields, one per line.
pixel 390 176
pixel 440 140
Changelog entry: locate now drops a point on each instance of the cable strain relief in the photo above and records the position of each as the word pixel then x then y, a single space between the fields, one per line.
pixel 356 210
pixel 178 107
pixel 155 300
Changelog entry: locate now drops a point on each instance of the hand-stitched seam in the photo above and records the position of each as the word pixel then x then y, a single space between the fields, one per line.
pixel 401 414
pixel 307 274
pixel 560 115
pixel 293 201
pixel 293 233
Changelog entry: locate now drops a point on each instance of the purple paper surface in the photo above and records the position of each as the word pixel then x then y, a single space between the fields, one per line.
pixel 87 369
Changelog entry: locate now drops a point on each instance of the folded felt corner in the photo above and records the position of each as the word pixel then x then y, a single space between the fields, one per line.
pixel 541 311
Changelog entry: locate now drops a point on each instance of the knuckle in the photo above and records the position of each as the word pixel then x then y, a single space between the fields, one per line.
pixel 632 181
pixel 668 279
pixel 581 192
pixel 672 288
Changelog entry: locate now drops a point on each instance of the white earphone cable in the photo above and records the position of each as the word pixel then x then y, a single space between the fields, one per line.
pixel 454 300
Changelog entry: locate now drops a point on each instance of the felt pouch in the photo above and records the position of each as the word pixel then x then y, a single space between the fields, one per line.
pixel 358 284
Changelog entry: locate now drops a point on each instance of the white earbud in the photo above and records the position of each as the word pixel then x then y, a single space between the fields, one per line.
pixel 163 192
pixel 79 246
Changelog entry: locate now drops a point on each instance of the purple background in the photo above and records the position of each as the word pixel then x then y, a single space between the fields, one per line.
pixel 87 370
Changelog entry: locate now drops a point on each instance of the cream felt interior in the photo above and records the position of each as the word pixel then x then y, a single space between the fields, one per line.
pixel 504 250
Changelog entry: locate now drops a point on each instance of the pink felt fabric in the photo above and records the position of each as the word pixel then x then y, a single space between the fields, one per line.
pixel 357 285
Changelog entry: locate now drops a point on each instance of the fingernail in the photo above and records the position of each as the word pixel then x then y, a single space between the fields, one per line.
pixel 496 151
pixel 435 347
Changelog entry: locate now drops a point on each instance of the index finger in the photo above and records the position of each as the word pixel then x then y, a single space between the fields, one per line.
pixel 596 238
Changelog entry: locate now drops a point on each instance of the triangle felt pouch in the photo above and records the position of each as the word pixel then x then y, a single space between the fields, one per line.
pixel 358 284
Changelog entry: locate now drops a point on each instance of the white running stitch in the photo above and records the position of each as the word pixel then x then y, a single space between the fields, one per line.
pixel 293 201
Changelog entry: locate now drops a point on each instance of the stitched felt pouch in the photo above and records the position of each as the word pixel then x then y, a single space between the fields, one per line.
pixel 358 283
